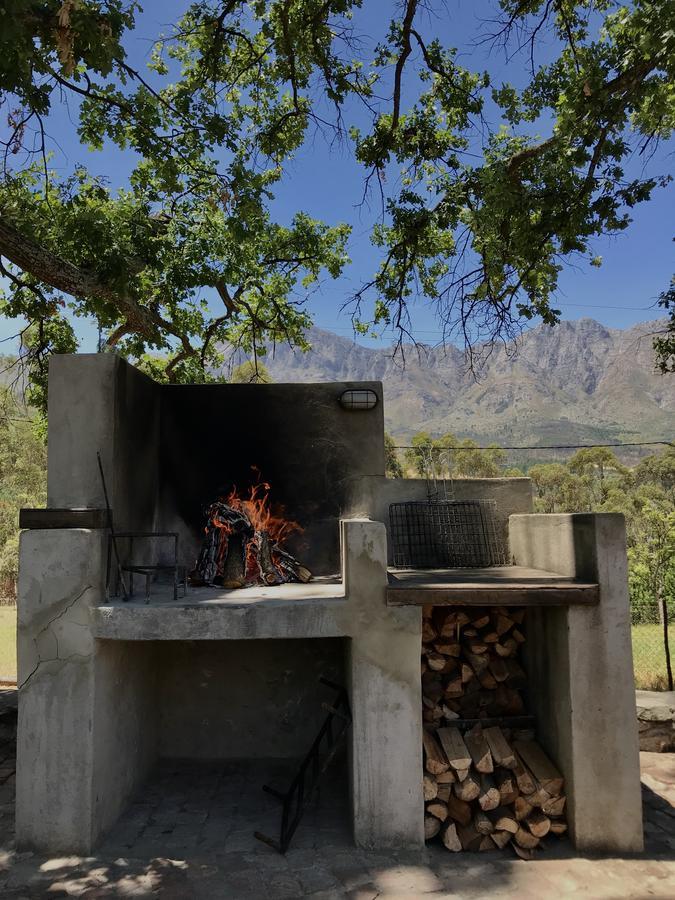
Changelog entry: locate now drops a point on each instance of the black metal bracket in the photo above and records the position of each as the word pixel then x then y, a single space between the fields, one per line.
pixel 328 741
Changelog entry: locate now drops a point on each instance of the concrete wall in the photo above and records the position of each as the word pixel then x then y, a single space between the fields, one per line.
pixel 125 726
pixel 385 690
pixel 244 699
pixel 371 496
pixel 580 664
pixel 302 441
pixel 98 402
pixel 85 735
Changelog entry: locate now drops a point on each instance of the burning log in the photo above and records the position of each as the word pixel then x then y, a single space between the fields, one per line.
pixel 242 543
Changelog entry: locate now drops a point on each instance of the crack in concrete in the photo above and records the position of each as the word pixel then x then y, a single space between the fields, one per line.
pixel 58 657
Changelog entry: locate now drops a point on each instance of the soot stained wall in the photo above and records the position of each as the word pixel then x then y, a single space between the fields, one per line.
pixel 244 699
pixel 302 441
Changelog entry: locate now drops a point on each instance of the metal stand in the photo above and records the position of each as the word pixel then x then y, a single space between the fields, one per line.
pixel 328 741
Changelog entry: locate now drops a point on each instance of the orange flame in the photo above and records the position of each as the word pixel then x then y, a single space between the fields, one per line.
pixel 262 515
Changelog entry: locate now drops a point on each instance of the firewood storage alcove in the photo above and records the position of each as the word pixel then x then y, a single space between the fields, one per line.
pixel 109 688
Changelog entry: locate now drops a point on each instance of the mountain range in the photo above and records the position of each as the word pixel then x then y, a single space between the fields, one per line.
pixel 579 382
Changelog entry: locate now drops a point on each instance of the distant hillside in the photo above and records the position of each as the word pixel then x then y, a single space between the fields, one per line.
pixel 578 382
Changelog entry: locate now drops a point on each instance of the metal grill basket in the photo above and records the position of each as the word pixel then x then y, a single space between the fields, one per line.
pixel 445 534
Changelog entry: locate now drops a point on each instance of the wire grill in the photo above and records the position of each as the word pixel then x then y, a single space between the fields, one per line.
pixel 445 534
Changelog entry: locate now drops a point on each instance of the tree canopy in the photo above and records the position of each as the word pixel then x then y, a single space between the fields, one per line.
pixel 487 189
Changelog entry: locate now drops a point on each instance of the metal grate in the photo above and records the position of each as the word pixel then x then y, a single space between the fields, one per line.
pixel 445 534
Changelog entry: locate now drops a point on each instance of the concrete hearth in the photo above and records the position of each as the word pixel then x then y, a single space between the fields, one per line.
pixel 111 689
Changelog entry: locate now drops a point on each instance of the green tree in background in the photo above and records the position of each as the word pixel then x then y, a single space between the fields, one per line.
pixel 392 464
pixel 487 189
pixel 250 372
pixel 23 479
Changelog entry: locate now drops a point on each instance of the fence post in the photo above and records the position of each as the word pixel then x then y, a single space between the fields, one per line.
pixel 663 609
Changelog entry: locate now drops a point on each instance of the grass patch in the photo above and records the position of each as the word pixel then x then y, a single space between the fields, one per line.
pixel 649 658
pixel 8 643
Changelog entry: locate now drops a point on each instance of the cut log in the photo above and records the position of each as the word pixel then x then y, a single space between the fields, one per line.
pixel 467 790
pixel 480 619
pixel 461 774
pixel 450 837
pixel 554 806
pixel 429 633
pixel 558 826
pixel 443 792
pixel 448 713
pixel 446 777
pixel 478 647
pixel 435 760
pixel 447 648
pixel 482 823
pixel 503 624
pixel 459 810
pixel 456 751
pixel 522 808
pixel 501 838
pixel 453 686
pixel 478 662
pixel 502 754
pixel 518 636
pixel 517 678
pixel 489 797
pixel 429 787
pixel 466 673
pixel 538 797
pixel 479 749
pixel 487 680
pixel 469 837
pixel 524 854
pixel 525 839
pixel 438 809
pixel 487 843
pixel 504 820
pixel 489 637
pixel 538 823
pixel 509 700
pixel 506 785
pixel 431 827
pixel 436 661
pixel 498 668
pixel 541 767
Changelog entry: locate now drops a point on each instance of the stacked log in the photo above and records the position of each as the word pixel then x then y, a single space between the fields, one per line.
pixel 486 786
pixel 470 663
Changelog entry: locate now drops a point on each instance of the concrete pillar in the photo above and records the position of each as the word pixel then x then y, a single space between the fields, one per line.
pixel 85 731
pixel 580 658
pixel 384 668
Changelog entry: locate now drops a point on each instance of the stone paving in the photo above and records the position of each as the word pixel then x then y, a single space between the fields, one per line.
pixel 189 835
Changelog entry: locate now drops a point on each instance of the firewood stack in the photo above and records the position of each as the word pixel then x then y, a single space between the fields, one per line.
pixel 470 667
pixel 485 786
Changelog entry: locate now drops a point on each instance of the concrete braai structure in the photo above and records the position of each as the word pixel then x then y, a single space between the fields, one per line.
pixel 109 687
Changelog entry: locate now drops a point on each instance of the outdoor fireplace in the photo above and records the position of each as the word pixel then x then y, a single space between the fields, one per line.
pixel 109 688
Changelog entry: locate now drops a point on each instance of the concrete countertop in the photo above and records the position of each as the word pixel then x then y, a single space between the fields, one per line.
pixel 212 613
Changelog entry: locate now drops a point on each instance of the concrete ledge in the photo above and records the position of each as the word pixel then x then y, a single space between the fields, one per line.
pixel 319 616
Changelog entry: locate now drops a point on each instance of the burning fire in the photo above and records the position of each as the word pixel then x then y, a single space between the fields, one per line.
pixel 259 529
pixel 258 509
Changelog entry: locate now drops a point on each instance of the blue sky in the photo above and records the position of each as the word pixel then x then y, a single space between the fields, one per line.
pixel 326 183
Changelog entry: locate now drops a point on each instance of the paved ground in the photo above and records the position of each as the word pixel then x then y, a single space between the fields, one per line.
pixel 189 835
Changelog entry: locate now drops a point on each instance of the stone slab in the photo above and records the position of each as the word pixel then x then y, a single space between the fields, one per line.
pixel 311 610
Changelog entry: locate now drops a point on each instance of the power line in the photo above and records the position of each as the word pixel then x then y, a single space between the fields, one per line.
pixel 541 447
